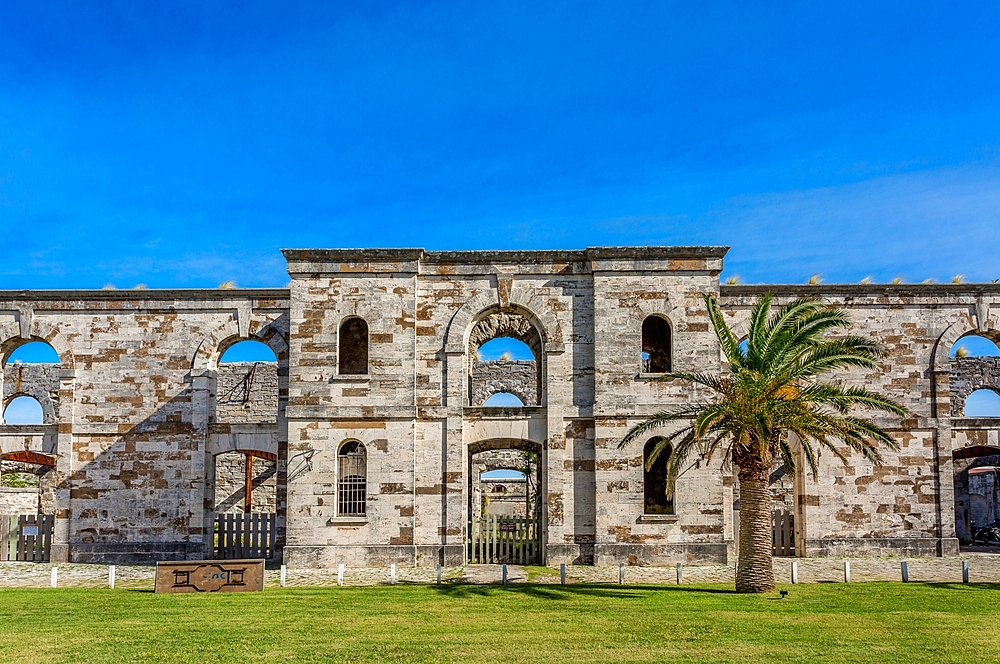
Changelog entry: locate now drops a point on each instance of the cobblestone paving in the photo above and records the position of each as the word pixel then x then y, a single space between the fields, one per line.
pixel 983 568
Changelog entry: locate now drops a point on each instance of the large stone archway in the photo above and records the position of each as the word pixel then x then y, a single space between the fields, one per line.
pixel 506 528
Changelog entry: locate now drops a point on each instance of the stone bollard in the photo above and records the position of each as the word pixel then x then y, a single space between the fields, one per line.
pixel 54 580
pixel 847 571
pixel 111 577
pixel 621 573
pixel 283 575
pixel 503 580
pixel 340 574
pixel 562 573
pixel 680 574
pixel 965 571
pixel 795 571
pixel 392 574
pixel 439 574
pixel 904 569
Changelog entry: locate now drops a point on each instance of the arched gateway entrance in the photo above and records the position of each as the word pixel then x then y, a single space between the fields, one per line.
pixel 505 479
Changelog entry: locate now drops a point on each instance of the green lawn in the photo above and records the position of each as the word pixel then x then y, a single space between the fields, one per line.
pixel 872 622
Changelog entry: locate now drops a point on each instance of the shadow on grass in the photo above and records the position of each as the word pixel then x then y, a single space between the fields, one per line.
pixel 560 592
pixel 956 586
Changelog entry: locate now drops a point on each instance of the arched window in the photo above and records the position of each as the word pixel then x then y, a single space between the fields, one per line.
pixel 247 384
pixel 34 352
pixel 23 410
pixel 504 349
pixel 654 479
pixel 983 403
pixel 504 399
pixel 353 352
pixel 974 346
pixel 655 345
pixel 352 471
pixel 248 351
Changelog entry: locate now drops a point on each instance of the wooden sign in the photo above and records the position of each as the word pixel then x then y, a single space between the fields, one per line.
pixel 210 576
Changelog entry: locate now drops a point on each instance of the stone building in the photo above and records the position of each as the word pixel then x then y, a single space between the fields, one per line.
pixel 367 435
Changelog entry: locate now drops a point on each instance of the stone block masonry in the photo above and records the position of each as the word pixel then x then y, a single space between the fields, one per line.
pixel 149 431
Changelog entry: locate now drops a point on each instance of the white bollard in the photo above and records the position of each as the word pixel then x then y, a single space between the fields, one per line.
pixel 439 575
pixel 965 571
pixel 392 574
pixel 905 571
pixel 111 577
pixel 621 573
pixel 680 574
pixel 562 573
pixel 283 575
pixel 795 571
pixel 340 574
pixel 847 571
pixel 54 581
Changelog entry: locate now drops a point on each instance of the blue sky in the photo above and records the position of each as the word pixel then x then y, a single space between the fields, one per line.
pixel 182 144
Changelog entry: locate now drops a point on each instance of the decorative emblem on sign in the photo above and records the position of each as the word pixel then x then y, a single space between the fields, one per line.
pixel 209 578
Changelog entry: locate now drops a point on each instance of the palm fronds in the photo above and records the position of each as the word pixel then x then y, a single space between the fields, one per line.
pixel 771 392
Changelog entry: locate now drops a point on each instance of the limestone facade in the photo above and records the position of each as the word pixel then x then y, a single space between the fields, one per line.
pixel 147 427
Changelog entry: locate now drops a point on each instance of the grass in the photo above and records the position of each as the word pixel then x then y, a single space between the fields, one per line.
pixel 536 571
pixel 871 622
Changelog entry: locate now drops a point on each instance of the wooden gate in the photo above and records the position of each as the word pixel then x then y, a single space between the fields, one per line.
pixel 243 536
pixel 505 539
pixel 783 533
pixel 26 537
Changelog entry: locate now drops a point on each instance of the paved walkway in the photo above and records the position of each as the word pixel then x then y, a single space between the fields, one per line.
pixel 983 567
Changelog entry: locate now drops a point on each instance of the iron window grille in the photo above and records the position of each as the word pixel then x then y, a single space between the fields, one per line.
pixel 352 487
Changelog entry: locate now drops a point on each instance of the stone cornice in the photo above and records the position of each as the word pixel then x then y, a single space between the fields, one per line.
pixel 374 261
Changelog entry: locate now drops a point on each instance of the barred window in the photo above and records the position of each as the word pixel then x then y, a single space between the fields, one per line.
pixel 353 347
pixel 655 345
pixel 352 469
pixel 654 480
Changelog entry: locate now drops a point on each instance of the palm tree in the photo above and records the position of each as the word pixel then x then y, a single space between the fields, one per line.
pixel 770 392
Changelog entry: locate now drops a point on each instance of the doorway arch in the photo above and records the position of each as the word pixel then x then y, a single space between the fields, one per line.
pixel 501 531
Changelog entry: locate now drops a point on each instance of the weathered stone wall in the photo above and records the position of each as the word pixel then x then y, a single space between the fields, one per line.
pixel 230 484
pixel 517 377
pixel 503 497
pixel 18 501
pixel 145 423
pixel 40 381
pixel 444 295
pixel 907 504
pixel 136 395
pixel 969 374
pixel 247 392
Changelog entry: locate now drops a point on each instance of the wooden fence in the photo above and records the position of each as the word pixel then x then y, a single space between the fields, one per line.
pixel 26 537
pixel 783 533
pixel 243 536
pixel 505 539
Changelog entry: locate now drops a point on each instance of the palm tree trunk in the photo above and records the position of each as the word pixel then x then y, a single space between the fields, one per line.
pixel 754 574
